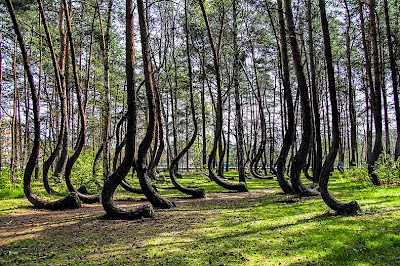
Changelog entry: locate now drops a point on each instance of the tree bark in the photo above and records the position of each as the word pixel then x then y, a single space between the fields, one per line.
pixel 241 186
pixel 352 110
pixel 156 199
pixel 112 182
pixel 394 78
pixel 300 158
pixel 82 117
pixel 61 93
pixel 317 165
pixel 71 200
pixel 14 122
pixel 238 104
pixel 64 124
pixel 261 148
pixel 376 97
pixel 369 78
pixel 195 192
pixel 350 207
pixel 287 94
pixel 106 114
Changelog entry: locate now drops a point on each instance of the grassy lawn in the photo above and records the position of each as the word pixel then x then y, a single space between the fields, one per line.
pixel 262 227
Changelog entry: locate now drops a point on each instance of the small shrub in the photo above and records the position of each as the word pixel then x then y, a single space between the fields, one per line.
pixel 82 170
pixel 5 182
pixel 387 169
pixel 356 173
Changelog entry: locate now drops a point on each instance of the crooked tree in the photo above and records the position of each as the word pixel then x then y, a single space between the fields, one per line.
pixel 72 199
pixel 350 207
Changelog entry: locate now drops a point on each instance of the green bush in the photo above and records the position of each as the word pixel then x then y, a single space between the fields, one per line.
pixel 5 181
pixel 82 170
pixel 356 173
pixel 387 169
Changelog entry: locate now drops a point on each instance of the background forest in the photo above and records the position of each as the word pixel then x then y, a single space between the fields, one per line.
pixel 101 97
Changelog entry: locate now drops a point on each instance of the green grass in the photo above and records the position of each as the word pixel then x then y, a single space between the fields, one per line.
pixel 256 230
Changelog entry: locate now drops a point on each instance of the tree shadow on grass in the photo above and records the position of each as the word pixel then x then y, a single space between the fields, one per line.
pixel 212 231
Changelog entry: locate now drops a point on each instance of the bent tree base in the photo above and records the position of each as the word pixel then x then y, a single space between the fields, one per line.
pixel 112 182
pixel 70 201
pixel 115 212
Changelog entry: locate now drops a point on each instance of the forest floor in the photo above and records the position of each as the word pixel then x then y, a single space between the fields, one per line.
pixel 261 227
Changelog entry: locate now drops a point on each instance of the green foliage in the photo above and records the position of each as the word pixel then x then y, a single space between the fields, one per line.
pixel 82 170
pixel 5 181
pixel 356 174
pixel 387 169
pixel 22 4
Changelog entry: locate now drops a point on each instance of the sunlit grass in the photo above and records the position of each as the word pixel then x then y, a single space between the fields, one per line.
pixel 256 230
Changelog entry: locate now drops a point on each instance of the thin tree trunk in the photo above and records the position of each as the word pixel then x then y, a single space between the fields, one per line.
pixel 72 199
pixel 112 182
pixel 14 133
pixel 261 148
pixel 156 199
pixel 61 93
pixel 394 78
pixel 352 110
pixel 241 186
pixel 376 97
pixel 382 78
pixel 228 133
pixel 238 104
pixel 63 68
pixel 203 118
pixel 369 79
pixel 317 165
pixel 300 158
pixel 106 114
pixel 82 117
pixel 350 207
pixel 287 94
pixel 195 192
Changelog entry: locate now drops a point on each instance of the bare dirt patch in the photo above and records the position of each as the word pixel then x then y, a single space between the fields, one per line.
pixel 30 223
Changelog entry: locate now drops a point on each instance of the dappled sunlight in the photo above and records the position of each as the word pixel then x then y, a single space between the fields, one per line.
pixel 256 228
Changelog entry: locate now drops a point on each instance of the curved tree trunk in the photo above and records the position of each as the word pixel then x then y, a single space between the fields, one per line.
pixel 125 184
pixel 62 160
pixel 261 148
pixel 159 149
pixel 300 158
pixel 350 207
pixel 221 155
pixel 287 94
pixel 119 145
pixel 317 165
pixel 81 138
pixel 128 187
pixel 195 192
pixel 151 194
pixel 241 186
pixel 112 182
pixel 71 200
pixel 47 164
